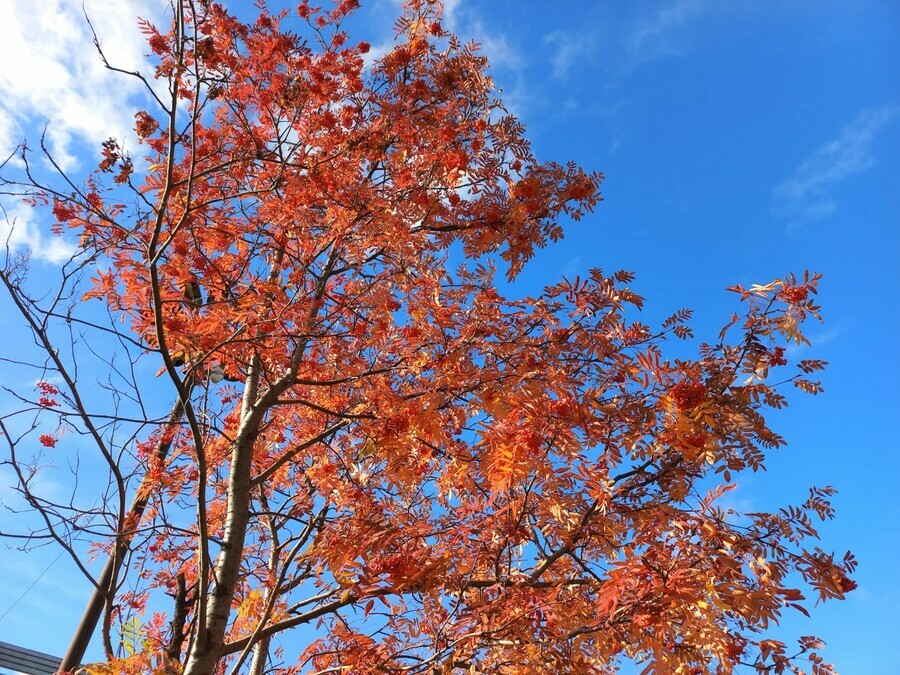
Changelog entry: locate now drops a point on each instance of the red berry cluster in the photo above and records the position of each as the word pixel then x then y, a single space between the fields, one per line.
pixel 794 294
pixel 688 395
pixel 48 391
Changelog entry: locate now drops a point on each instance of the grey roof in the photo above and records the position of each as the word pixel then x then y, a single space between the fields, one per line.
pixel 28 661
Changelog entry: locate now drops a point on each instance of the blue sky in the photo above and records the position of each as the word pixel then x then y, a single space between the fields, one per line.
pixel 740 141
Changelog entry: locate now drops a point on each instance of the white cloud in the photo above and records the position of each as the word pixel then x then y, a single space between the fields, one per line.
pixel 50 69
pixel 18 230
pixel 10 134
pixel 52 76
pixel 807 195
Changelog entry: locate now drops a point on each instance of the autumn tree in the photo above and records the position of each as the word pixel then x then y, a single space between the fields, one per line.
pixel 366 438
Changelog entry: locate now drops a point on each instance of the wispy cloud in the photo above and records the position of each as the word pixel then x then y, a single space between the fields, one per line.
pixel 569 48
pixel 451 7
pixel 506 60
pixel 467 24
pixel 823 337
pixel 628 44
pixel 661 34
pixel 608 46
pixel 573 266
pixel 807 195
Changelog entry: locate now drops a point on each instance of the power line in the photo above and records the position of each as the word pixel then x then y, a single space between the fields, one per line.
pixel 25 592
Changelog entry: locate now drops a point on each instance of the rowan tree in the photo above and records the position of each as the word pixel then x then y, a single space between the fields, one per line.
pixel 367 438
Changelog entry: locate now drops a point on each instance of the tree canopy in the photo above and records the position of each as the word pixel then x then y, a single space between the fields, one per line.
pixel 366 437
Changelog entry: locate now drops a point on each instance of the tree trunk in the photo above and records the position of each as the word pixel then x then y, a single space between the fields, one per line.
pixel 260 654
pixel 207 647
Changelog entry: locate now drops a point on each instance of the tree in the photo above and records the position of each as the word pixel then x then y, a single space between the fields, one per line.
pixel 367 438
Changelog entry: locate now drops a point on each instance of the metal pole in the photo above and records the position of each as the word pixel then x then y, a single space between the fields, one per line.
pixel 106 583
pixel 91 616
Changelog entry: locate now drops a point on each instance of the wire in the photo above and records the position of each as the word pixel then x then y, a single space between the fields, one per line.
pixel 25 592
